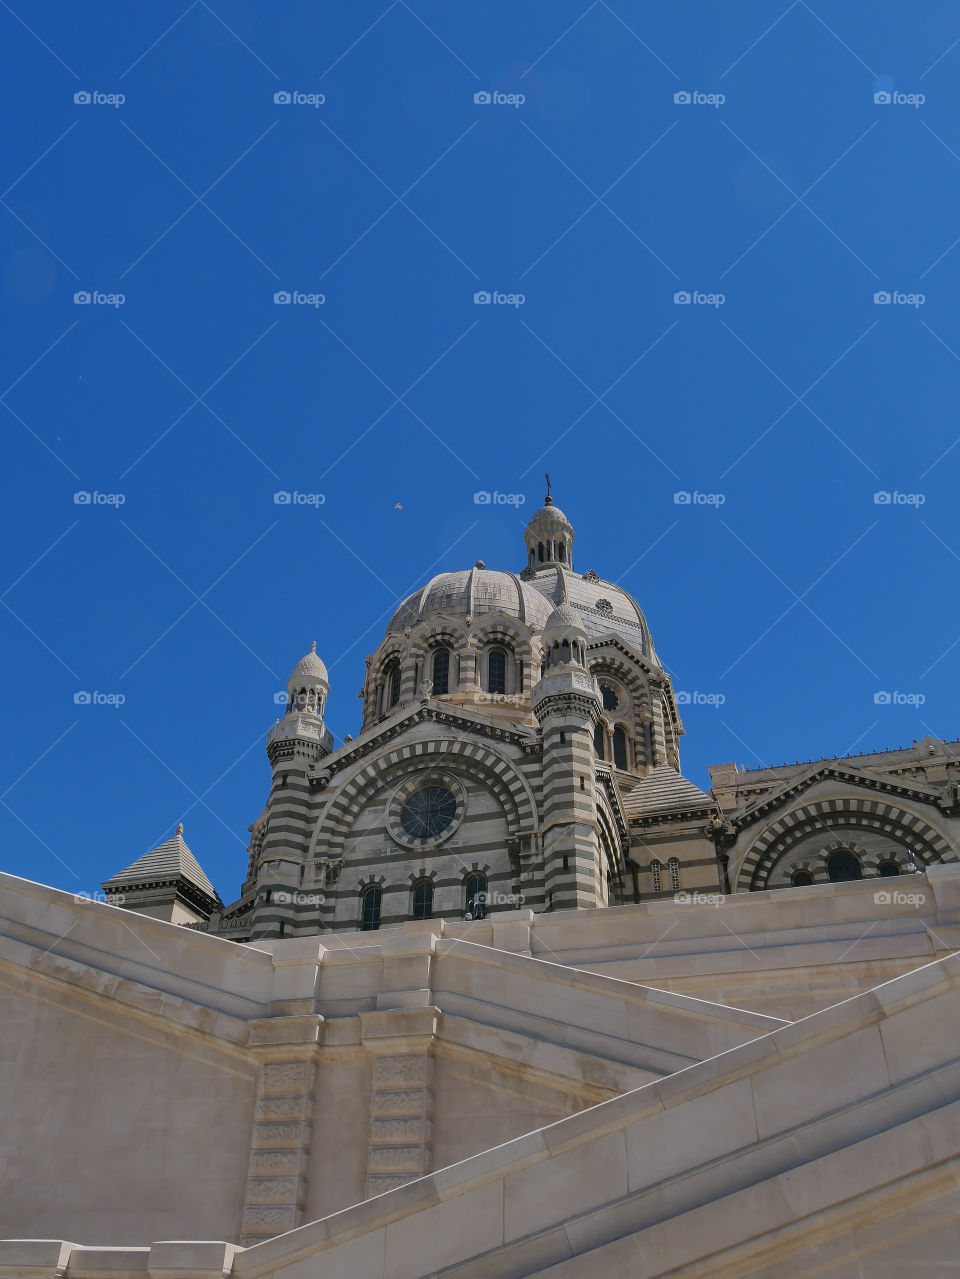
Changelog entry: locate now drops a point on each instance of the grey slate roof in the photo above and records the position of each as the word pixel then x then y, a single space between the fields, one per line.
pixel 664 790
pixel 171 860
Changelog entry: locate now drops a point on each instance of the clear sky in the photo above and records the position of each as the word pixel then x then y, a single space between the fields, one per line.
pixel 776 191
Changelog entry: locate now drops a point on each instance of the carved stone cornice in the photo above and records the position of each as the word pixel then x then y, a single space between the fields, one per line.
pixel 346 757
pixel 846 776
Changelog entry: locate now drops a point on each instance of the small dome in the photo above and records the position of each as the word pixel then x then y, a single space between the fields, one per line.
pixel 549 516
pixel 564 620
pixel 310 668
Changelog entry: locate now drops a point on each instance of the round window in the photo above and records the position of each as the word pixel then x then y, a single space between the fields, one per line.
pixel 426 809
pixel 428 812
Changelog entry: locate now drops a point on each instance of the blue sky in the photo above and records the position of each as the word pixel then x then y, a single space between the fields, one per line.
pixel 782 586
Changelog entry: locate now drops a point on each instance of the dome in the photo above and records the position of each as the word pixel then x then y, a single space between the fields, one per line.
pixel 474 592
pixel 601 607
pixel 564 619
pixel 309 668
pixel 549 517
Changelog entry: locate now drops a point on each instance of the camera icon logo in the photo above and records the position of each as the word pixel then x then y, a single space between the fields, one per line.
pixel 882 98
pixel 681 498
pixel 882 898
pixel 482 498
pixel 82 98
pixel 81 699
pixel 882 298
pixel 82 298
pixel 881 699
pixel 282 498
pixel 682 98
pixel 482 99
pixel 81 498
pixel 682 298
pixel 280 698
pixel 282 298
pixel 482 298
pixel 881 498
pixel 282 98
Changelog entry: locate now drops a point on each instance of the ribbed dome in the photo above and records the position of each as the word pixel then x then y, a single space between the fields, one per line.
pixel 474 592
pixel 549 517
pixel 565 619
pixel 310 667
pixel 602 607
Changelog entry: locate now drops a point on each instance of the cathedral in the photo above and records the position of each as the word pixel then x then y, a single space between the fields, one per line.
pixel 513 997
pixel 519 748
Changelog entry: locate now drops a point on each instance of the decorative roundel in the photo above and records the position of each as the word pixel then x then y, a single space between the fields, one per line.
pixel 604 606
pixel 426 809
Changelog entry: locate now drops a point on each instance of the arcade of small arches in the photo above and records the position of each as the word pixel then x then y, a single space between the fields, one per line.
pixel 308 699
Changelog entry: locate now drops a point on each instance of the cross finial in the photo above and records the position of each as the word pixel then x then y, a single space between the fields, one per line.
pixel 547 477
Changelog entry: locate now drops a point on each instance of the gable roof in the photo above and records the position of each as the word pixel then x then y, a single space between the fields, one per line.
pixel 169 861
pixel 664 790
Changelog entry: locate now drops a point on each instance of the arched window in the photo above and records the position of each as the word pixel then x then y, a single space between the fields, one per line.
pixel 619 748
pixel 801 878
pixel 843 865
pixel 561 553
pixel 565 652
pixel 609 696
pixel 423 900
pixel 598 741
pixel 476 897
pixel 540 551
pixel 391 685
pixel 673 866
pixel 441 673
pixel 888 867
pixel 371 900
pixel 496 671
pixel 656 874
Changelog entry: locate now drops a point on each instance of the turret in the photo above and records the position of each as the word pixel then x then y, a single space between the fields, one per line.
pixel 294 744
pixel 567 703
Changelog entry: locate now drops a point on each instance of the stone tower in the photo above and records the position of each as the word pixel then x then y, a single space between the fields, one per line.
pixel 566 703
